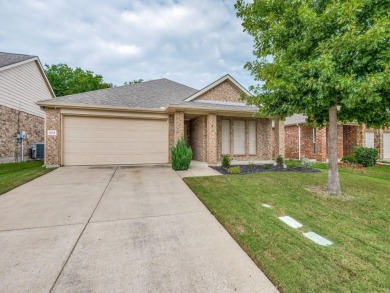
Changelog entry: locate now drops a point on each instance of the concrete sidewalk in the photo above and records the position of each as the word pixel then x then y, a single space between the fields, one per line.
pixel 117 229
pixel 198 169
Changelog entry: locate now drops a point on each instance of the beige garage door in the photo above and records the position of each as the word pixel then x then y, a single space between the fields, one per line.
pixel 386 145
pixel 102 141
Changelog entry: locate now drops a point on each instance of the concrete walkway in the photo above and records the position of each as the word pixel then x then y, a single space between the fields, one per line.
pixel 198 169
pixel 117 229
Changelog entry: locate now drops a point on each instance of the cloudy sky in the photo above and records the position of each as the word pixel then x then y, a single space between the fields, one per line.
pixel 190 41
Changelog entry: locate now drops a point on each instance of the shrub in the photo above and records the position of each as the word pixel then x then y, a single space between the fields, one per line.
pixel 235 170
pixel 225 161
pixel 266 166
pixel 366 157
pixel 350 159
pixel 279 160
pixel 306 163
pixel 181 156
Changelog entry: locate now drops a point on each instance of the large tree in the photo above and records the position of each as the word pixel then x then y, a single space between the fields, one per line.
pixel 66 80
pixel 327 59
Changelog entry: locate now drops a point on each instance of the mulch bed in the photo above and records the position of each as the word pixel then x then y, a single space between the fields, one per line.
pixel 257 168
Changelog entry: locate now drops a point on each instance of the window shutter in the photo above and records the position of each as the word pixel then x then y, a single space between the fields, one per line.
pixel 225 137
pixel 252 137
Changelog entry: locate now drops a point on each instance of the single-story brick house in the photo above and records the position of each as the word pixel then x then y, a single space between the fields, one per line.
pixel 303 140
pixel 139 123
pixel 22 83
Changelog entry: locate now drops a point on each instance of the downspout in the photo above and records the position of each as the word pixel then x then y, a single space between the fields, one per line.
pixel 299 141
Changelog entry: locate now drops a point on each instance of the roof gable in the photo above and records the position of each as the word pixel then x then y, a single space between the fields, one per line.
pixel 225 89
pixel 7 59
pixel 152 94
pixel 10 60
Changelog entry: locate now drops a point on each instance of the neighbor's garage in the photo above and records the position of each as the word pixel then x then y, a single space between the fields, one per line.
pixel 102 141
pixel 386 145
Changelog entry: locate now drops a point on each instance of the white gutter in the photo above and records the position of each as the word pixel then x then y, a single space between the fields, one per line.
pixel 299 141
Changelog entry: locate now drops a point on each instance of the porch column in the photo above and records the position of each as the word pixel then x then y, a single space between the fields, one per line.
pixel 178 126
pixel 321 145
pixel 53 151
pixel 212 139
pixel 378 142
pixel 279 138
pixel 361 135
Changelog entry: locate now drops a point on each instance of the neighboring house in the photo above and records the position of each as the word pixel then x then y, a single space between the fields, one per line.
pixel 303 140
pixel 22 83
pixel 139 123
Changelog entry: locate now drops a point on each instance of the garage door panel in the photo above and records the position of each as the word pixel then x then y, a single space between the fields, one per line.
pixel 99 141
pixel 386 145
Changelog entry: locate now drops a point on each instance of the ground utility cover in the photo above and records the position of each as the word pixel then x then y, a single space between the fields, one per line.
pixel 317 239
pixel 291 222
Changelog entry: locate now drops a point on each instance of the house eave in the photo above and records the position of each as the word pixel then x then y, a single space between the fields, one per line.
pixel 99 107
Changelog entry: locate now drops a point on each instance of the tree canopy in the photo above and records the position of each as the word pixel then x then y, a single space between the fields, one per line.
pixel 315 54
pixel 66 80
pixel 328 59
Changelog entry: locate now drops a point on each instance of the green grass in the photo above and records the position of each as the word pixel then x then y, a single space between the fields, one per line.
pixel 14 174
pixel 358 223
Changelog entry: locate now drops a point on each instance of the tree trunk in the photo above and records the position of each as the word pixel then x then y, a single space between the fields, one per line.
pixel 333 173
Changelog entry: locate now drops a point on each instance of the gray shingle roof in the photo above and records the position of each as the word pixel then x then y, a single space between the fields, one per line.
pixel 295 119
pixel 10 58
pixel 149 94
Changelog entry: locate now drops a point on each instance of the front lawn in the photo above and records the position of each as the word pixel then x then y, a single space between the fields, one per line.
pixel 14 174
pixel 358 223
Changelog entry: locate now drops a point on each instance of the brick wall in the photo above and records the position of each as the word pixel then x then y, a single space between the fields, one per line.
pixel 33 125
pixel 307 146
pixel 350 138
pixel 171 125
pixel 53 143
pixel 291 141
pixel 225 92
pixel 199 138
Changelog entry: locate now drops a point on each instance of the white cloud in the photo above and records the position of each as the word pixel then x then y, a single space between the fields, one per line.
pixel 193 42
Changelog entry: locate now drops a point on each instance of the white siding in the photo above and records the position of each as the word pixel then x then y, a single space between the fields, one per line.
pixel 252 137
pixel 22 86
pixel 225 137
pixel 239 137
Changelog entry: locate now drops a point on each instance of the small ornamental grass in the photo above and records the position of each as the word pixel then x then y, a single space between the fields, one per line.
pixel 181 156
pixel 306 163
pixel 235 170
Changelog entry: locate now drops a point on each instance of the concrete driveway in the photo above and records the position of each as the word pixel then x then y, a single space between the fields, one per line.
pixel 117 229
